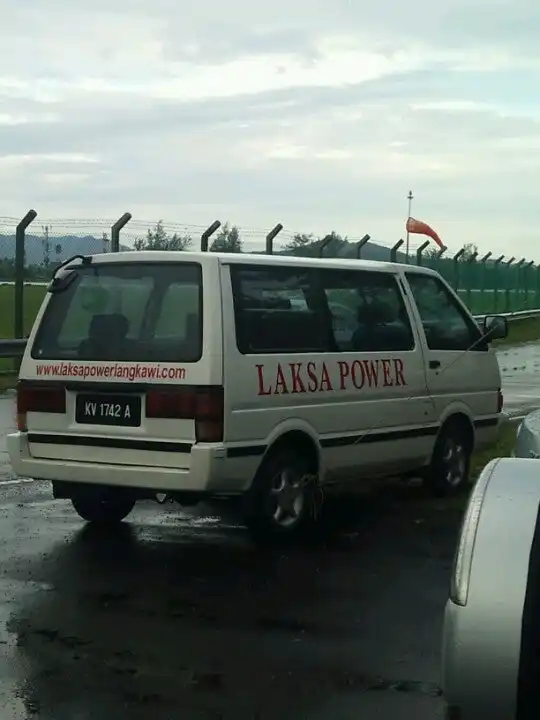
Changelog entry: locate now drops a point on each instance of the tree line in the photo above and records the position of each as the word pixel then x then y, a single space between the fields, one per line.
pixel 228 239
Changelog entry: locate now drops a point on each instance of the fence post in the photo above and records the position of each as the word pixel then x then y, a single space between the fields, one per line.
pixel 20 234
pixel 516 290
pixel 527 276
pixel 419 252
pixel 324 243
pixel 270 238
pixel 470 261
pixel 210 230
pixel 457 257
pixel 115 231
pixel 435 259
pixel 361 244
pixel 483 262
pixel 394 250
pixel 507 284
pixel 496 266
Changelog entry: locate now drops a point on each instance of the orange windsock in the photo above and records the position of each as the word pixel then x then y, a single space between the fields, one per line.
pixel 417 227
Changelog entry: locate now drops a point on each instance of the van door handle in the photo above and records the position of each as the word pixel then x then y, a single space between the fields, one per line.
pixel 434 364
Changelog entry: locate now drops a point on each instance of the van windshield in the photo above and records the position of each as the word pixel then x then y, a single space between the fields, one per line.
pixel 148 312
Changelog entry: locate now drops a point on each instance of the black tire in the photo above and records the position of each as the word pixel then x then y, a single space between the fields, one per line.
pixel 271 517
pixel 102 507
pixel 448 472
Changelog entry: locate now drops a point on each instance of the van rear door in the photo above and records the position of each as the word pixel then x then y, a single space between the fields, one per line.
pixel 124 366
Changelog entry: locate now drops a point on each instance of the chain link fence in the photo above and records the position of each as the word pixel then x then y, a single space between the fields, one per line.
pixel 485 283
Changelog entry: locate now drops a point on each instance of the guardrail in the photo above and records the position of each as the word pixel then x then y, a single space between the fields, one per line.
pixel 518 315
pixel 12 348
pixel 15 348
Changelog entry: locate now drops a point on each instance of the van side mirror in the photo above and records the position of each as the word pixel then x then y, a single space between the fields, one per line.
pixel 494 327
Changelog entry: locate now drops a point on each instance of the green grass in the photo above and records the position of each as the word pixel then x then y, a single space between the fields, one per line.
pixel 502 301
pixel 521 331
pixel 7 380
pixel 501 448
pixel 33 296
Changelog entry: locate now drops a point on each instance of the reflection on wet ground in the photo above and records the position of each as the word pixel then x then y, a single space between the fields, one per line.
pixel 179 615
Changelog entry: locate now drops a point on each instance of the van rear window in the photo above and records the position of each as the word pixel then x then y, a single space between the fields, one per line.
pixel 148 312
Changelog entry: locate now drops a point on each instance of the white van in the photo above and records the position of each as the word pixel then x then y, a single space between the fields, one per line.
pixel 257 377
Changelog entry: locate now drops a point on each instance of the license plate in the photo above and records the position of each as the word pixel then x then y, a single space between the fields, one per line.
pixel 121 410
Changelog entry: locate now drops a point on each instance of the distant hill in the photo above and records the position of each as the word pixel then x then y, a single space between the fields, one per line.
pixel 60 248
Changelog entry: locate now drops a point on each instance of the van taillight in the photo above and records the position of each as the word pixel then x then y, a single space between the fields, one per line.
pixel 40 399
pixel 500 401
pixel 204 405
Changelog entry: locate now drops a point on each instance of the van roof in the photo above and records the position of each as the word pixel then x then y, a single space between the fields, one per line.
pixel 250 258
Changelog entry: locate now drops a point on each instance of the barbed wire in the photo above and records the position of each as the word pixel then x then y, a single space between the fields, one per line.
pixel 52 240
pixel 136 228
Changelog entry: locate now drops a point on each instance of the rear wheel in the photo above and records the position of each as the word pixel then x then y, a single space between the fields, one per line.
pixel 448 473
pixel 282 502
pixel 103 506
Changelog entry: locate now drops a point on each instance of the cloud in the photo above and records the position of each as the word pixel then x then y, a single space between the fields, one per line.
pixel 320 116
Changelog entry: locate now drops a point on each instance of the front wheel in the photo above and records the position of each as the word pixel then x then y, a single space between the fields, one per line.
pixel 448 473
pixel 102 507
pixel 283 500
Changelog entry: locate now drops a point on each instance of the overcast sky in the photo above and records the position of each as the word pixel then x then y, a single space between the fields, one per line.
pixel 319 114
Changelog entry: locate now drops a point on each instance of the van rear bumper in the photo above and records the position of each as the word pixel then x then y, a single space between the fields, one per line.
pixel 204 475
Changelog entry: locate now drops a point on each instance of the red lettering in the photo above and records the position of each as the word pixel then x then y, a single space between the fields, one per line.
pixel 344 372
pixel 372 372
pixel 358 368
pixel 281 386
pixel 326 383
pixel 297 383
pixel 387 379
pixel 260 377
pixel 313 383
pixel 398 370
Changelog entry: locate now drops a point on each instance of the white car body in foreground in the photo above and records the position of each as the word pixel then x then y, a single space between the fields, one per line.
pixel 528 437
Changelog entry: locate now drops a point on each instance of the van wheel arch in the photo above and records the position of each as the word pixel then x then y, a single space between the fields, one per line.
pixel 285 472
pixel 299 441
pixel 464 423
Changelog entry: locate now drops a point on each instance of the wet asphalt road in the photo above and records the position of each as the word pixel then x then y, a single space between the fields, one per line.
pixel 7 420
pixel 520 370
pixel 177 614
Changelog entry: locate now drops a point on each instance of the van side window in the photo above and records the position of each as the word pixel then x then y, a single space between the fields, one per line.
pixel 368 311
pixel 275 310
pixel 446 325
